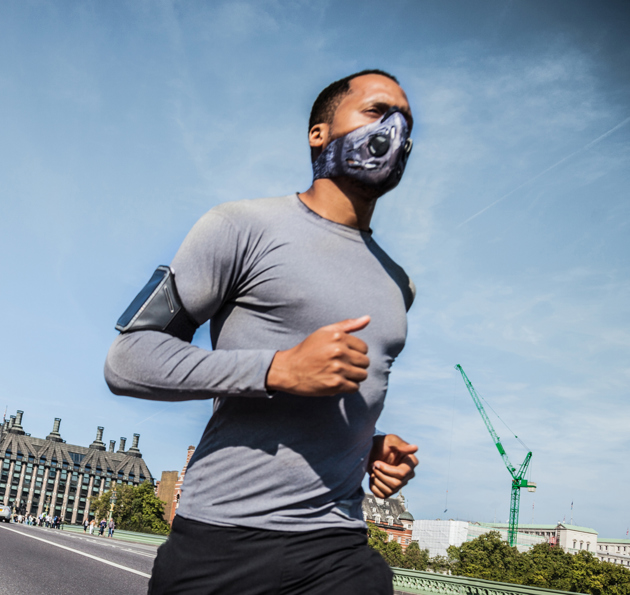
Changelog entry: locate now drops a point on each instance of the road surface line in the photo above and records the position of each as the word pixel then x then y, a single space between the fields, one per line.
pixel 63 547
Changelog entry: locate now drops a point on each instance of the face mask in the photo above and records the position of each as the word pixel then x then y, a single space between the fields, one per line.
pixel 375 154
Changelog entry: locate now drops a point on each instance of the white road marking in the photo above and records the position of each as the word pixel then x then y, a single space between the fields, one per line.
pixel 63 547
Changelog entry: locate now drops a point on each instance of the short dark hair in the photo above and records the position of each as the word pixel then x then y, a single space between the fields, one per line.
pixel 328 100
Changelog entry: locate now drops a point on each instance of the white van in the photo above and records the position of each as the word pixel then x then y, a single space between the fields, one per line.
pixel 5 513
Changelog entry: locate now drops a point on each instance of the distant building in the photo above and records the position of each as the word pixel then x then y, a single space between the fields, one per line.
pixel 178 486
pixel 438 535
pixel 615 551
pixel 570 538
pixel 389 515
pixel 47 475
pixel 166 491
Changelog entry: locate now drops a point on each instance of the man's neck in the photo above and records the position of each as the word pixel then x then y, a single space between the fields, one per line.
pixel 339 202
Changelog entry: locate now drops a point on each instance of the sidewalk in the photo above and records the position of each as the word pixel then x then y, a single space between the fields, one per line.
pixel 120 535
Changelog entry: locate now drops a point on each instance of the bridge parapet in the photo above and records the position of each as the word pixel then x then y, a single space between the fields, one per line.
pixel 428 583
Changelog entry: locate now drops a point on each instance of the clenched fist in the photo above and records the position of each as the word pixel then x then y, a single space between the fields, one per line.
pixel 328 362
pixel 391 465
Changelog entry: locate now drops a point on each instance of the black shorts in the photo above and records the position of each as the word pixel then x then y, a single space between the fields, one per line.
pixel 202 559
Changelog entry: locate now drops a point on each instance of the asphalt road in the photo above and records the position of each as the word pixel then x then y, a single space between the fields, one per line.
pixel 39 561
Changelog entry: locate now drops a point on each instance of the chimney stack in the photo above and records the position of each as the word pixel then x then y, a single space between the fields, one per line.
pixel 16 426
pixel 112 445
pixel 134 451
pixel 98 443
pixel 55 436
pixel 121 448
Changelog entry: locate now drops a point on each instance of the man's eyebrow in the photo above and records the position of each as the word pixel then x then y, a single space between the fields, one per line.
pixel 385 105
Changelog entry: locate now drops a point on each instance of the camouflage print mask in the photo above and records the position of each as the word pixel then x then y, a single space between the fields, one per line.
pixel 375 154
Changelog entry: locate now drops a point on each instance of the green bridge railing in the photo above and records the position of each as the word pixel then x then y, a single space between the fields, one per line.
pixel 428 583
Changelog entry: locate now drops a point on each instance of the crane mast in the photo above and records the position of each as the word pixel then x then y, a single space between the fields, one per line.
pixel 518 480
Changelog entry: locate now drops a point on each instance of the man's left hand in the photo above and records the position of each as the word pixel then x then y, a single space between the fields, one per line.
pixel 391 465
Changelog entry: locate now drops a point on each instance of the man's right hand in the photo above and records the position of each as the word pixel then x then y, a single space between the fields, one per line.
pixel 328 362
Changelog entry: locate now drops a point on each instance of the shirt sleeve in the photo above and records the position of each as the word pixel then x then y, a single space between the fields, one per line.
pixel 208 267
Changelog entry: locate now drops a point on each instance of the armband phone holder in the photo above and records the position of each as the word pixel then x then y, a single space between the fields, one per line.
pixel 158 308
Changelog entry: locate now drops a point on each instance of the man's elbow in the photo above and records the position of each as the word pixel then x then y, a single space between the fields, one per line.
pixel 115 363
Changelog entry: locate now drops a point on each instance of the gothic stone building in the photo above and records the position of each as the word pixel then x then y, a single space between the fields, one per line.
pixel 49 476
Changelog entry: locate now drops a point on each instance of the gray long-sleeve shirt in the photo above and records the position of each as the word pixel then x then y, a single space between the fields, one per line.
pixel 268 273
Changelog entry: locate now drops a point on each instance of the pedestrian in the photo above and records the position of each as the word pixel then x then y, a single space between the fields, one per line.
pixel 111 526
pixel 101 527
pixel 85 525
pixel 92 523
pixel 297 292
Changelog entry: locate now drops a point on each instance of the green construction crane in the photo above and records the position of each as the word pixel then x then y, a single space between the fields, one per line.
pixel 517 476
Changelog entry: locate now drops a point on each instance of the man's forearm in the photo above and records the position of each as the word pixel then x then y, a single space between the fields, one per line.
pixel 155 365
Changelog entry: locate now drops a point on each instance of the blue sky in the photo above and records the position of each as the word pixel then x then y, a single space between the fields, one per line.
pixel 121 123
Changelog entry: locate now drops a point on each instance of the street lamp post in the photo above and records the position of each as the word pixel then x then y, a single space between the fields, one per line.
pixel 112 500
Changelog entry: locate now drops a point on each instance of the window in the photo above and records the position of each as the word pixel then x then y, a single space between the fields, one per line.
pixel 76 457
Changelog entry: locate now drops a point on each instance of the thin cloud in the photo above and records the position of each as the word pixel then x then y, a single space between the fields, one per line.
pixel 531 180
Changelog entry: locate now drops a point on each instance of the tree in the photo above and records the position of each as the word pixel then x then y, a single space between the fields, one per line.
pixel 488 557
pixel 543 565
pixel 100 506
pixel 377 539
pixel 137 508
pixel 394 554
pixel 551 567
pixel 390 550
pixel 439 564
pixel 415 558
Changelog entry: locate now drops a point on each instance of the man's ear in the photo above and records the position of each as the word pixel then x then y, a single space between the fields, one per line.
pixel 318 136
pixel 318 139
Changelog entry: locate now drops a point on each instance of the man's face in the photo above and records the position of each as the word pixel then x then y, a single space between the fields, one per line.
pixel 370 96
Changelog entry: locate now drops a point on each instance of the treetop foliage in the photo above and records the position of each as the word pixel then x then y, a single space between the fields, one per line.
pixel 489 557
